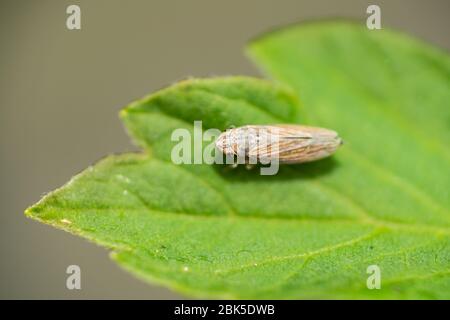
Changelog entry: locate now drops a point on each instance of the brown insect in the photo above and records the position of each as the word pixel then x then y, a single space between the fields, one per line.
pixel 288 143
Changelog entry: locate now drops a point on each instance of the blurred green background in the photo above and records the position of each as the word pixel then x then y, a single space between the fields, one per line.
pixel 61 90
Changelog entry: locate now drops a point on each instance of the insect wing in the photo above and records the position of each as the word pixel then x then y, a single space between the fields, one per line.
pixel 283 142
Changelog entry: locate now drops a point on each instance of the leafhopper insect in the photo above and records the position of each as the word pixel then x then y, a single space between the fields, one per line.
pixel 288 144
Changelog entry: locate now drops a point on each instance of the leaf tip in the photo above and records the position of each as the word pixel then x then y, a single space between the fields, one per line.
pixel 33 211
pixel 123 113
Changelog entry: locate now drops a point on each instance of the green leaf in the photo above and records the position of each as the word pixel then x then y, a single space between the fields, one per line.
pixel 311 230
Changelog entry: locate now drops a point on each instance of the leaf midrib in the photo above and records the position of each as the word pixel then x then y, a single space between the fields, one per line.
pixel 367 220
